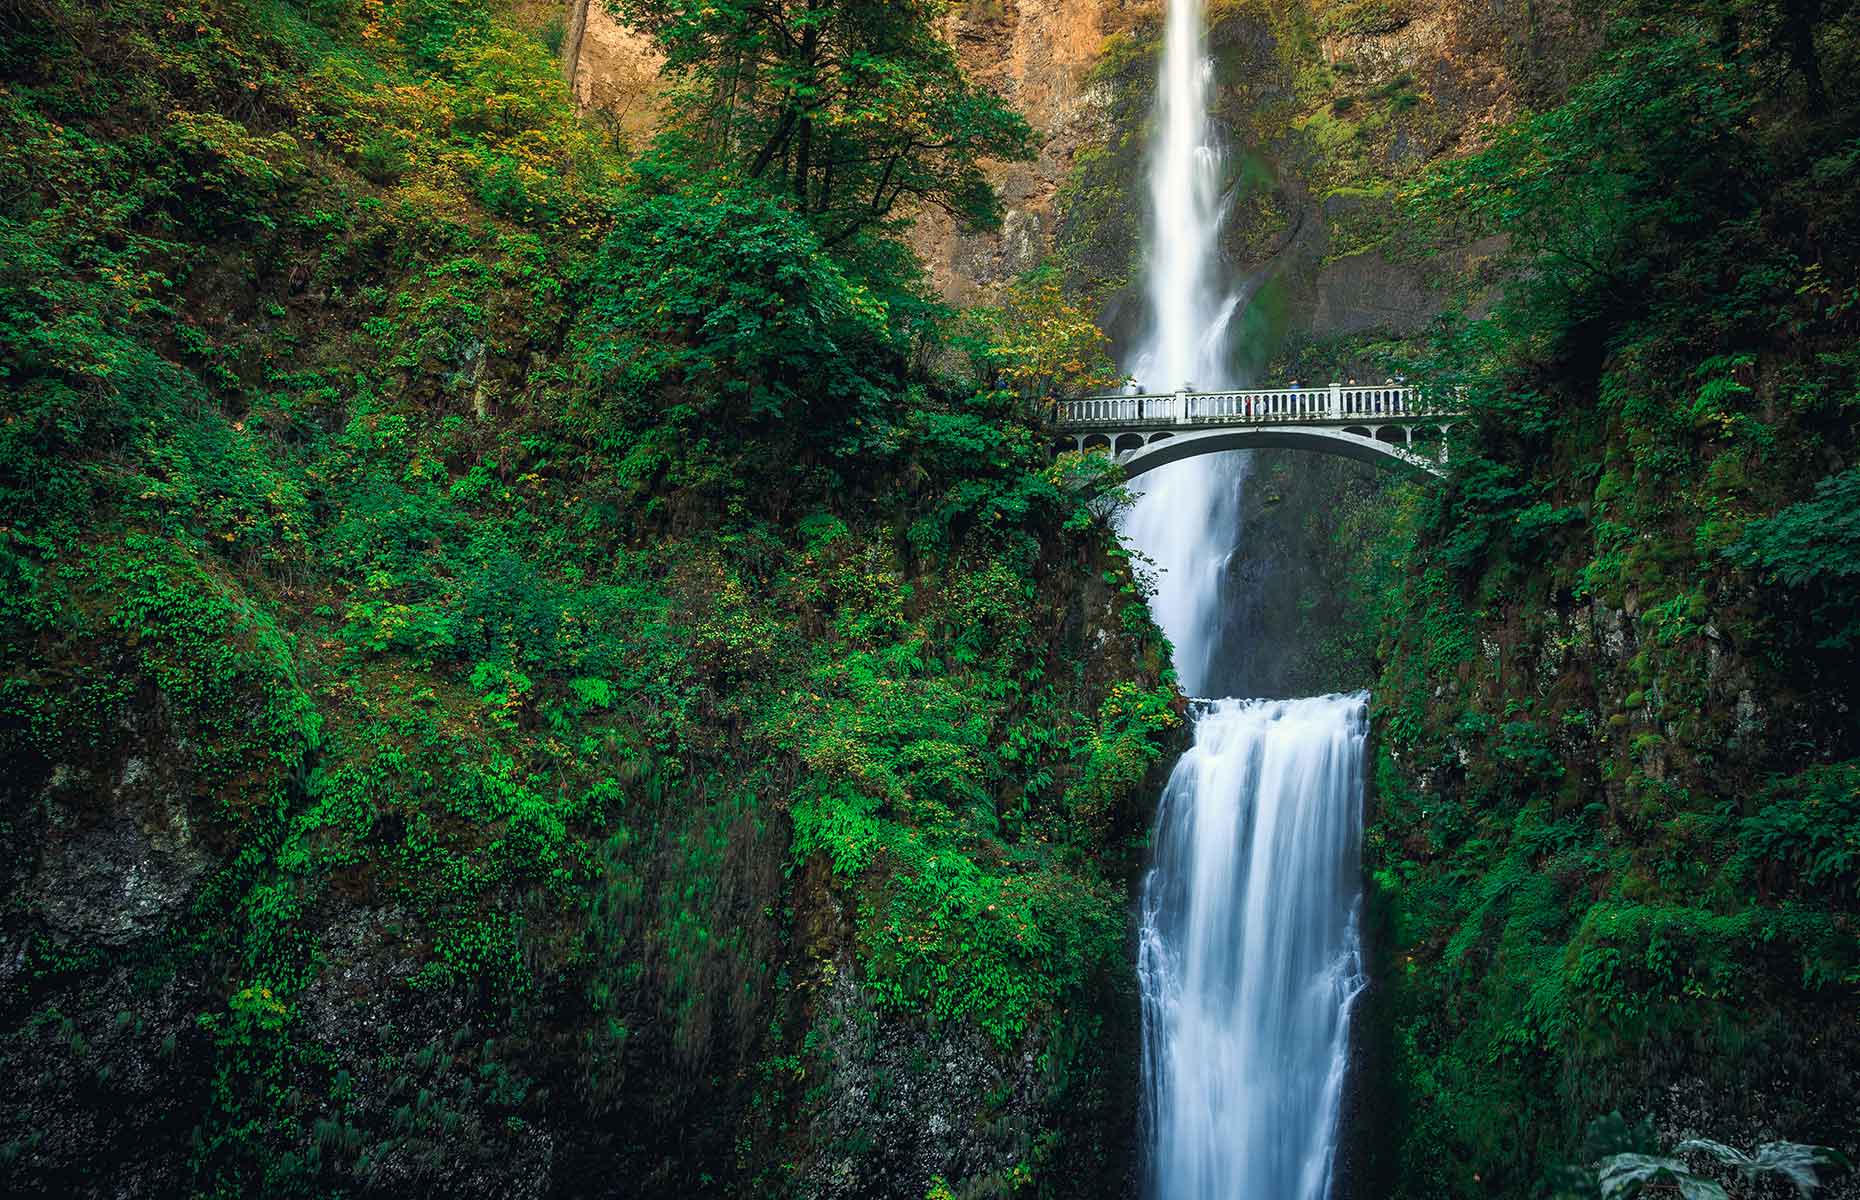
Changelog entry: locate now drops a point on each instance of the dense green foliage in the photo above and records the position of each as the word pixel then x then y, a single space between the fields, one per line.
pixel 1812 549
pixel 1614 829
pixel 494 630
pixel 852 106
pixel 525 666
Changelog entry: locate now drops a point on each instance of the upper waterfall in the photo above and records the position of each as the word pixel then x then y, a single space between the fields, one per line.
pixel 1188 514
pixel 1187 338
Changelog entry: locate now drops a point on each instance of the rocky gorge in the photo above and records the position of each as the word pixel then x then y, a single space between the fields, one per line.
pixel 543 659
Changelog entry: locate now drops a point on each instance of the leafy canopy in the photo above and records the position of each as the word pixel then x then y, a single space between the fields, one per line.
pixel 1040 341
pixel 726 296
pixel 1637 155
pixel 850 107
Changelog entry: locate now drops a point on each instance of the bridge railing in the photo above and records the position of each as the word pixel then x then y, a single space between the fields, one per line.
pixel 1275 406
pixel 1115 410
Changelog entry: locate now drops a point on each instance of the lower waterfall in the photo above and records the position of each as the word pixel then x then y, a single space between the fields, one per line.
pixel 1249 955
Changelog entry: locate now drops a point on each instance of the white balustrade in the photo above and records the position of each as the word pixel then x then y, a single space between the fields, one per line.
pixel 1266 406
pixel 1102 410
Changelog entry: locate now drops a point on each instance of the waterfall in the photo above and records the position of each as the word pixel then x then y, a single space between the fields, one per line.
pixel 1248 959
pixel 1188 313
pixel 1249 952
pixel 1187 517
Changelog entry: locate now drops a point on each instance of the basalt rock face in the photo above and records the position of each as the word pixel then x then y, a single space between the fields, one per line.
pixel 613 70
pixel 1037 53
pixel 1323 106
pixel 1323 110
pixel 115 993
pixel 902 1106
pixel 1287 629
pixel 1041 55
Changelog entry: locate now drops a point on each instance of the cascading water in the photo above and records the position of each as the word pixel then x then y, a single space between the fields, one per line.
pixel 1188 313
pixel 1187 517
pixel 1249 954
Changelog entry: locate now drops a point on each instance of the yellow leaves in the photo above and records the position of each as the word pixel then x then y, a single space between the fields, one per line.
pixel 1038 337
pixel 372 20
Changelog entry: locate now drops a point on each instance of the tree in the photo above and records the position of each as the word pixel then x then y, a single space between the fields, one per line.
pixel 1780 36
pixel 719 303
pixel 1650 145
pixel 850 108
pixel 1040 342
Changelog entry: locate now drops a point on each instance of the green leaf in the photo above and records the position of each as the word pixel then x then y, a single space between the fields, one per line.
pixel 1627 1175
pixel 1792 1161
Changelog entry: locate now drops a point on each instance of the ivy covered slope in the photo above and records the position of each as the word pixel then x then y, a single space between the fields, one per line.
pixel 514 677
pixel 1616 838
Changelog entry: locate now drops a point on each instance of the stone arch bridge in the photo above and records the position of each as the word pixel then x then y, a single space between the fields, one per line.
pixel 1388 425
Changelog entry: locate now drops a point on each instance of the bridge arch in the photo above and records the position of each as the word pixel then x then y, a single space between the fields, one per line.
pixel 1392 424
pixel 1363 447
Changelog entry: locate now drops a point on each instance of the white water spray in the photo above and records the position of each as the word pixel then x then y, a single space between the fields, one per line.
pixel 1249 959
pixel 1249 954
pixel 1188 515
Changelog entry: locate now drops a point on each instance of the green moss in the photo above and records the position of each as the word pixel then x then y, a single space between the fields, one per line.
pixel 1580 923
pixel 572 621
pixel 1329 130
pixel 1372 17
pixel 1262 324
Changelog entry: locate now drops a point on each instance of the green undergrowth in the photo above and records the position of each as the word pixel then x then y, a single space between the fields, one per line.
pixel 1614 826
pixel 524 566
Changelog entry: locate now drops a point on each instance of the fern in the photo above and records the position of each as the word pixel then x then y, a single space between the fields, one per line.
pixel 1622 1176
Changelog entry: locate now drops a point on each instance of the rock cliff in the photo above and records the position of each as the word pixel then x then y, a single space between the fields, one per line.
pixel 1325 107
pixel 613 71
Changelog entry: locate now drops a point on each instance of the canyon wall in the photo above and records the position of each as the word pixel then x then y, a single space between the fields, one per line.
pixel 1325 107
pixel 1037 53
pixel 613 71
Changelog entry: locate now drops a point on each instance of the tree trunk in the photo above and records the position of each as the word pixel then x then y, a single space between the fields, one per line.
pixel 577 28
pixel 803 160
pixel 778 141
pixel 1799 20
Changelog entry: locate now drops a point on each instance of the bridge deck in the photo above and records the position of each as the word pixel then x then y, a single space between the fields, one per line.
pixel 1337 404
